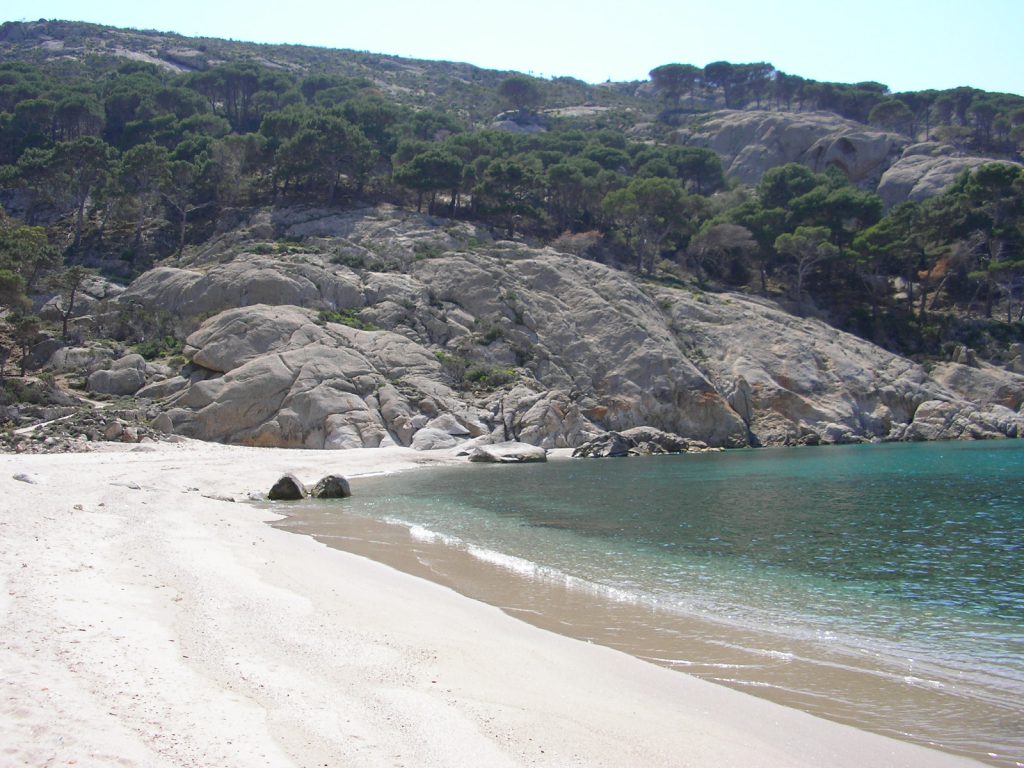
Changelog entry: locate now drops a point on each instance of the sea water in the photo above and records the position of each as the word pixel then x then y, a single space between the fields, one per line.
pixel 878 585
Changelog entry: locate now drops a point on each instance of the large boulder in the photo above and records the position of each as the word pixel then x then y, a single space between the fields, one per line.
pixel 429 439
pixel 125 377
pixel 638 441
pixel 247 280
pixel 86 359
pixel 924 171
pixel 331 487
pixel 287 488
pixel 509 452
pixel 287 381
pixel 751 142
pixel 604 446
pixel 982 383
pixel 952 420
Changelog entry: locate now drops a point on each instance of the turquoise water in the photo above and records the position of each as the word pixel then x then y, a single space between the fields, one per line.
pixel 880 585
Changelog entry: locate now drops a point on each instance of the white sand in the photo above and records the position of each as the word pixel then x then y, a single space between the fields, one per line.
pixel 143 623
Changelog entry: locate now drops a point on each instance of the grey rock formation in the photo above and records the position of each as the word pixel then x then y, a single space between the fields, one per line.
pixel 982 384
pixel 87 359
pixel 248 279
pixel 163 388
pixel 610 444
pixel 125 377
pixel 923 171
pixel 287 488
pixel 92 290
pixel 752 142
pixel 951 420
pixel 509 452
pixel 429 439
pixel 581 350
pixel 638 441
pixel 331 487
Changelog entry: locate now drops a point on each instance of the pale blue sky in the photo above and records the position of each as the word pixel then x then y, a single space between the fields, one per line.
pixel 907 44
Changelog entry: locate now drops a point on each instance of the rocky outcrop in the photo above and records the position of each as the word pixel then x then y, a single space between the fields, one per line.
pixel 287 488
pixel 638 441
pixel 982 383
pixel 923 171
pixel 508 452
pixel 247 280
pixel 477 344
pixel 272 376
pixel 752 142
pixel 94 289
pixel 126 376
pixel 331 487
pixel 953 420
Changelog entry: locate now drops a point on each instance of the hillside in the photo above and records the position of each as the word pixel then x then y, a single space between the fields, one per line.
pixel 331 249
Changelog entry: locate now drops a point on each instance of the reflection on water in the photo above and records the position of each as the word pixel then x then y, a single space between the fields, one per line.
pixel 877 585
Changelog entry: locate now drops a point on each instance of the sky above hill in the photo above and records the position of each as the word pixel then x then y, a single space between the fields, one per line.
pixel 906 44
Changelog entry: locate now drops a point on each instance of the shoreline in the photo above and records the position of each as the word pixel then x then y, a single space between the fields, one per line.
pixel 148 620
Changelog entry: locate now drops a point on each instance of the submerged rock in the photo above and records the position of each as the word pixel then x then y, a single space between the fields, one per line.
pixel 287 488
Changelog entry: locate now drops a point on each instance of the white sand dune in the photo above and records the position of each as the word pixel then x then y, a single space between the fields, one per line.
pixel 145 620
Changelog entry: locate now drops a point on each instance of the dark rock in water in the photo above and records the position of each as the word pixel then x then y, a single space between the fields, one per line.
pixel 288 488
pixel 508 453
pixel 331 487
pixel 637 441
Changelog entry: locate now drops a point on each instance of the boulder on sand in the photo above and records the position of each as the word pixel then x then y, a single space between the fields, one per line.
pixel 331 487
pixel 287 488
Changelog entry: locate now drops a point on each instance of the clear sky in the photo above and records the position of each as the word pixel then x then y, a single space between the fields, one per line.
pixel 907 44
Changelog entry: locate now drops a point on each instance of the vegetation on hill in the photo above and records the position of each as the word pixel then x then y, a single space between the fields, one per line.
pixel 120 148
pixel 968 118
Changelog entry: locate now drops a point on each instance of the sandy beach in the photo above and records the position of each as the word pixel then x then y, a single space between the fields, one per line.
pixel 151 618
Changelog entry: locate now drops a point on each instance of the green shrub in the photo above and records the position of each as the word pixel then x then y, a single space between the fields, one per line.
pixel 349 317
pixel 166 346
pixel 482 376
pixel 350 259
pixel 453 366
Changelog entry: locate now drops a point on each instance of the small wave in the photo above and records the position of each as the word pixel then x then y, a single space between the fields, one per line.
pixel 698 664
pixel 419 533
pixel 532 570
pixel 508 562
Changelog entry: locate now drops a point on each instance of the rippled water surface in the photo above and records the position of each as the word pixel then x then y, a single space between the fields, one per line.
pixel 879 585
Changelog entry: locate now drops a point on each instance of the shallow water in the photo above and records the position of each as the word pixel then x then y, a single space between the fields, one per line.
pixel 880 585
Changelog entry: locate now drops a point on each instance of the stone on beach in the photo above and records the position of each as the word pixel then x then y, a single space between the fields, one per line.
pixel 331 487
pixel 287 488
